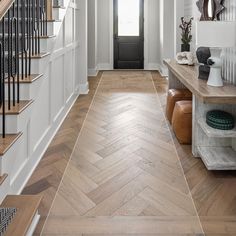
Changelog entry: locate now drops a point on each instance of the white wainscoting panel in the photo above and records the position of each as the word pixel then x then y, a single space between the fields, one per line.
pixel 58 91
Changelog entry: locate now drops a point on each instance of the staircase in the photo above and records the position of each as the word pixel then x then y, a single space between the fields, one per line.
pixel 30 32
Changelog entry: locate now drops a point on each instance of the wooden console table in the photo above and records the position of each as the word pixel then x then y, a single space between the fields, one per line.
pixel 217 148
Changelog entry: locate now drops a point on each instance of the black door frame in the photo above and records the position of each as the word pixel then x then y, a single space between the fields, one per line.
pixel 115 32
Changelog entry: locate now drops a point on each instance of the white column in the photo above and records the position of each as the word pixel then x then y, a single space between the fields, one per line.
pixel 92 37
pixel 169 12
pixel 83 51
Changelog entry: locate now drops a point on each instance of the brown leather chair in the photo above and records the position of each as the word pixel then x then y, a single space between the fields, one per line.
pixel 182 121
pixel 175 95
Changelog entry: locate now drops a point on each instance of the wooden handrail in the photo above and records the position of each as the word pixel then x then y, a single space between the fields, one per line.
pixel 5 6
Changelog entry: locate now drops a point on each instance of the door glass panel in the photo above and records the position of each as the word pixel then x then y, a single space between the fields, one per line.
pixel 128 17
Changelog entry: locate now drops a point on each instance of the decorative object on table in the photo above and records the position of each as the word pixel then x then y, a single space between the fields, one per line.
pixel 220 120
pixel 186 36
pixel 6 216
pixel 210 9
pixel 203 54
pixel 216 35
pixel 203 72
pixel 185 58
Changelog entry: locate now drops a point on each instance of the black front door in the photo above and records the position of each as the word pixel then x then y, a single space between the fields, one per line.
pixel 128 34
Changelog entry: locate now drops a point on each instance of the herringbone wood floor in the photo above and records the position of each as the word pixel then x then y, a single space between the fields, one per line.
pixel 213 192
pixel 124 176
pixel 47 176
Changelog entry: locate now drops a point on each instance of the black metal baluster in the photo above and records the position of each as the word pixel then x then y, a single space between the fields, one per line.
pixel 38 25
pixel 25 41
pixel 29 36
pixel 3 79
pixel 1 75
pixel 26 22
pixel 9 59
pixel 13 55
pixel 22 41
pixel 41 18
pixel 46 16
pixel 2 84
pixel 33 25
pixel 17 52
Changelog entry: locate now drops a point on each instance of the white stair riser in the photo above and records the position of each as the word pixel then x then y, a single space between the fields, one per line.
pixel 28 91
pixel 54 28
pixel 38 65
pixel 10 157
pixel 46 44
pixel 5 187
pixel 58 13
pixel 16 123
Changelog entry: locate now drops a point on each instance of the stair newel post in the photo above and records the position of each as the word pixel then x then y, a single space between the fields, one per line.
pixel 3 78
pixel 9 64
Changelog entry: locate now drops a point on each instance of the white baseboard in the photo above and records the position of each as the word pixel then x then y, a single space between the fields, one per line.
pixel 93 72
pixel 164 71
pixel 105 66
pixel 84 88
pixel 152 66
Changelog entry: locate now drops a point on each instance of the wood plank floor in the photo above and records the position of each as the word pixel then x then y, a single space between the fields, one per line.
pixel 213 192
pixel 124 176
pixel 47 176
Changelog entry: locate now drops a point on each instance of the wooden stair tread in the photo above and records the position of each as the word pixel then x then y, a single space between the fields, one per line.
pixel 62 7
pixel 53 20
pixel 27 207
pixel 3 178
pixel 26 80
pixel 18 108
pixel 47 36
pixel 40 55
pixel 7 142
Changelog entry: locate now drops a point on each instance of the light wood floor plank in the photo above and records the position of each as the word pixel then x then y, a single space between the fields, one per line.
pixel 124 177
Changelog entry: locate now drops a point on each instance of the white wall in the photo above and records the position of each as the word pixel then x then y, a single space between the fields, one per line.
pixel 179 12
pixel 105 34
pixel 152 35
pixel 161 33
